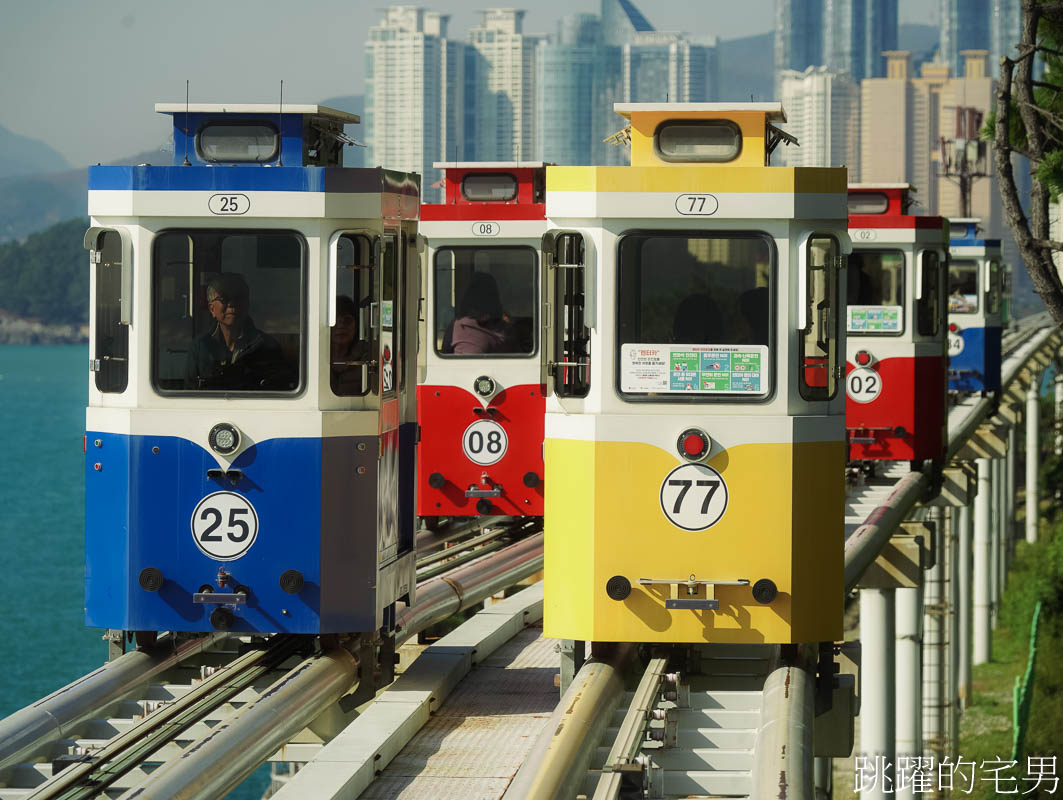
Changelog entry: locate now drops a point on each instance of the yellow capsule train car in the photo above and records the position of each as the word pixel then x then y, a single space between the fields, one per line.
pixel 695 431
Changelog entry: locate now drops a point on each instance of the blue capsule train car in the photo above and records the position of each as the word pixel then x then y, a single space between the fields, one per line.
pixel 252 395
pixel 974 309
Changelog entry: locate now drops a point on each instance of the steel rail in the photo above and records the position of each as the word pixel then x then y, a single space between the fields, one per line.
pixel 127 750
pixel 427 539
pixel 632 733
pixel 217 763
pixel 468 549
pixel 441 597
pixel 558 760
pixel 237 747
pixel 24 733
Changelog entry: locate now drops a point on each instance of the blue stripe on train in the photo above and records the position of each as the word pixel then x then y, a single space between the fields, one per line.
pixel 337 180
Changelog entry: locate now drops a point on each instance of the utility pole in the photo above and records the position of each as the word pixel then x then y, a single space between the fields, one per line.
pixel 963 158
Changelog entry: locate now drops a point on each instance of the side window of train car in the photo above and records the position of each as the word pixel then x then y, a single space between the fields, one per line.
pixel 228 311
pixel 818 345
pixel 352 341
pixel 992 298
pixel 875 293
pixel 695 316
pixel 111 255
pixel 569 351
pixel 963 287
pixel 485 301
pixel 928 303
pixel 390 353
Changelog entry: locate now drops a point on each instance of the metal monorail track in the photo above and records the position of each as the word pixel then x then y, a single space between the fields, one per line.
pixel 739 716
pixel 199 699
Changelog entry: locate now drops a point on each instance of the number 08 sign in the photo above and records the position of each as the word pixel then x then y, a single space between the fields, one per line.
pixel 224 526
pixel 694 497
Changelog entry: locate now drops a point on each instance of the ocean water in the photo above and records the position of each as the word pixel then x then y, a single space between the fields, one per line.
pixel 43 392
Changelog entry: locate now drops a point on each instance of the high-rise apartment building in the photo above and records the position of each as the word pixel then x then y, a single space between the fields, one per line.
pixel 1005 30
pixel 843 35
pixel 413 80
pixel 668 67
pixel 823 112
pixel 855 34
pixel 965 25
pixel 903 120
pixel 621 20
pixel 500 88
pixel 798 35
pixel 564 83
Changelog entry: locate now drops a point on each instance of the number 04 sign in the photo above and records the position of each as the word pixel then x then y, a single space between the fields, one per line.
pixel 694 497
pixel 224 526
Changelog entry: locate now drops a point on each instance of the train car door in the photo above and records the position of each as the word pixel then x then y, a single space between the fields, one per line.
pixel 389 320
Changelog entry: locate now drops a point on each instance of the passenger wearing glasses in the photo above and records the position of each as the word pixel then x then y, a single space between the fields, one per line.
pixel 233 354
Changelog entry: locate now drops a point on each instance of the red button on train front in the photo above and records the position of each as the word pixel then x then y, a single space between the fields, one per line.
pixel 693 444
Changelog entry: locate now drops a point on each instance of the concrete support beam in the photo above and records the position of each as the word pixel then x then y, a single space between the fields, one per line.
pixel 877 686
pixel 934 644
pixel 909 691
pixel 964 534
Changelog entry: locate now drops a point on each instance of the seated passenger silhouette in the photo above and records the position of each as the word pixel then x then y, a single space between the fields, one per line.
pixel 233 354
pixel 697 321
pixel 347 351
pixel 481 326
pixel 754 305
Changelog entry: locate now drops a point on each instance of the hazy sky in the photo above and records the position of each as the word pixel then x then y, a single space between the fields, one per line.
pixel 83 76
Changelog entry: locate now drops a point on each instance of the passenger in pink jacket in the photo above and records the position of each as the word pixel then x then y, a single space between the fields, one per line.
pixel 481 326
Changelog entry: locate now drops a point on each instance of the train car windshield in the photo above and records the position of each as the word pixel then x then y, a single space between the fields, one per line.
pixel 694 315
pixel 963 287
pixel 875 292
pixel 227 311
pixel 486 300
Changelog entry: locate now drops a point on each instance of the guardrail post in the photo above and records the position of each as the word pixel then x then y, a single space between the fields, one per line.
pixel 980 607
pixel 877 688
pixel 909 690
pixel 964 565
pixel 934 653
pixel 1032 455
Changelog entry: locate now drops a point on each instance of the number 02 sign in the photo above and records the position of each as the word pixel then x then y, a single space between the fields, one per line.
pixel 224 526
pixel 694 497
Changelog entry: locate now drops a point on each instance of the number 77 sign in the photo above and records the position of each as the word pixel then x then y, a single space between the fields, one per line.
pixel 694 497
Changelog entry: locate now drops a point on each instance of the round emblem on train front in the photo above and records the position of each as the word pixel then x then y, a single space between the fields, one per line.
pixel 224 526
pixel 694 497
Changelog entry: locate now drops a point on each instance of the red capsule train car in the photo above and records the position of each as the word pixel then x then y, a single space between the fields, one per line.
pixel 896 365
pixel 481 403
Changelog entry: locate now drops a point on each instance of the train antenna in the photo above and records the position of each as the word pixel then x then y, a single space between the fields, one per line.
pixel 186 163
pixel 280 126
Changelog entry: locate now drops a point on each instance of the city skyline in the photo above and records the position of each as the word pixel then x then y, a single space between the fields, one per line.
pixel 95 66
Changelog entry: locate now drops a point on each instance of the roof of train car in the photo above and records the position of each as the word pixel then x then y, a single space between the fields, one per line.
pixel 773 110
pixel 257 108
pixel 489 164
